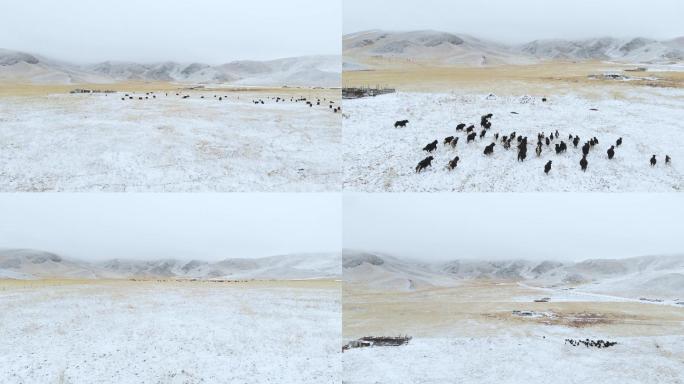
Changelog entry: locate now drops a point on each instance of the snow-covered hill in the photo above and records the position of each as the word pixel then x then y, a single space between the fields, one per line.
pixel 659 275
pixel 433 46
pixel 636 50
pixel 33 264
pixel 447 48
pixel 320 71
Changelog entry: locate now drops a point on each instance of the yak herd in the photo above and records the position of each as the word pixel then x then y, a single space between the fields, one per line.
pixel 544 142
pixel 260 101
pixel 590 343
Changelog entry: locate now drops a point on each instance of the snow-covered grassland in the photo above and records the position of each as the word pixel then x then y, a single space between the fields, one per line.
pixel 379 157
pixel 470 334
pixel 97 142
pixel 170 332
pixel 539 357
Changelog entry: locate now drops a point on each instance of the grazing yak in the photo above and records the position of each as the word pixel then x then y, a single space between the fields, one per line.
pixel 460 127
pixel 400 123
pixel 547 167
pixel 611 152
pixel 483 133
pixel 426 162
pixel 538 150
pixel 431 147
pixel 448 139
pixel 470 128
pixel 471 137
pixel 489 149
pixel 584 163
pixel 454 142
pixel 522 151
pixel 484 121
pixel 562 147
pixel 653 161
pixel 585 149
pixel 618 142
pixel 453 163
pixel 575 141
pixel 667 159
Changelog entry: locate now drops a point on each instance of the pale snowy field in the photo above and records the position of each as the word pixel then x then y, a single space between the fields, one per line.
pixel 519 359
pixel 170 333
pixel 379 157
pixel 65 142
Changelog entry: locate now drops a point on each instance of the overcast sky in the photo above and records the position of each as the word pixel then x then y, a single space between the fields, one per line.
pixel 185 226
pixel 521 20
pixel 211 31
pixel 566 227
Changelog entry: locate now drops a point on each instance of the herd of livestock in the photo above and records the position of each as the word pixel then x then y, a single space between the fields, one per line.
pixel 520 142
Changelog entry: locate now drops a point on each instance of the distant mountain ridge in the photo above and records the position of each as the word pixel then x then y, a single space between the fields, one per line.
pixel 448 48
pixel 34 264
pixel 646 274
pixel 313 71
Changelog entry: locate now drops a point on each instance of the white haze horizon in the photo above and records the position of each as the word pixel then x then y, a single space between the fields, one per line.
pixel 521 21
pixel 513 226
pixel 208 31
pixel 147 227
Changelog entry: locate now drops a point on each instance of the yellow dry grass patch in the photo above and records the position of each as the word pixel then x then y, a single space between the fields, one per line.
pixel 30 89
pixel 483 308
pixel 9 284
pixel 535 79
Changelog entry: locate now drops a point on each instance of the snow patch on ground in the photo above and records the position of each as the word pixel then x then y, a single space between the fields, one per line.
pixel 379 157
pixel 97 142
pixel 515 359
pixel 169 334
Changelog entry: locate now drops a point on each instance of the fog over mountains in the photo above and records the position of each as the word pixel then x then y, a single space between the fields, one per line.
pixel 36 264
pixel 312 71
pixel 662 274
pixel 448 48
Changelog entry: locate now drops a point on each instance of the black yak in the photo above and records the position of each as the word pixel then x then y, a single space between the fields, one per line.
pixel 547 167
pixel 454 142
pixel 611 152
pixel 431 147
pixel 426 162
pixel 489 149
pixel 453 163
pixel 584 163
pixel 400 123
